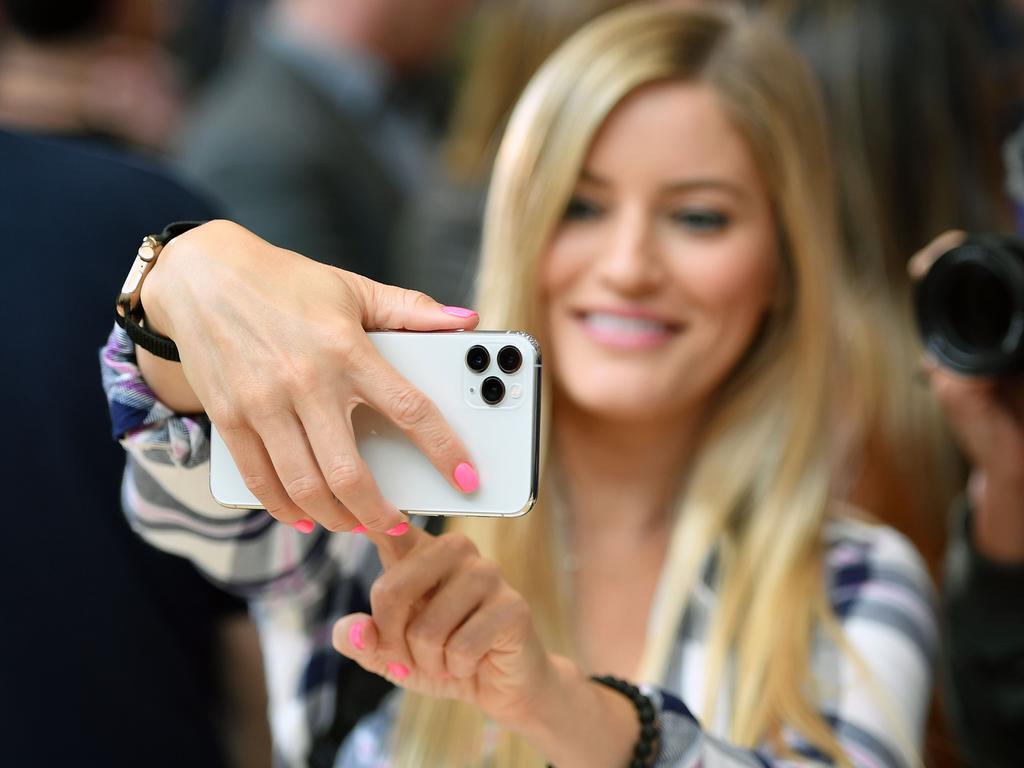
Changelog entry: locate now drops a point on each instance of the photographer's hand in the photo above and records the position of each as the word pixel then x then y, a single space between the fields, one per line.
pixel 987 417
pixel 273 349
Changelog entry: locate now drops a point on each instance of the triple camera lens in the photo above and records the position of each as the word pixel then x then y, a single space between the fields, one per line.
pixel 509 359
pixel 478 359
pixel 492 390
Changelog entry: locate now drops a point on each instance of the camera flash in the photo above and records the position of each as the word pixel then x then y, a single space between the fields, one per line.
pixel 515 391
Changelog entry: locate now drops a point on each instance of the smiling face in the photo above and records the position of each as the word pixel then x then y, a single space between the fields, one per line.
pixel 665 263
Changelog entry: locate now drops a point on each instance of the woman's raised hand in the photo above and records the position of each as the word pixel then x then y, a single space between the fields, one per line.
pixel 273 347
pixel 446 624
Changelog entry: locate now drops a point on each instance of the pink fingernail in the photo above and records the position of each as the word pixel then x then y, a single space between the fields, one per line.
pixel 397 671
pixel 459 312
pixel 466 477
pixel 398 530
pixel 355 636
pixel 304 526
pixel 359 529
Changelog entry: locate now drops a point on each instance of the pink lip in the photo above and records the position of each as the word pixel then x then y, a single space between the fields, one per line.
pixel 631 339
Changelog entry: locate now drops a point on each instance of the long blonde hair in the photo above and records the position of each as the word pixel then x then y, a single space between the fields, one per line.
pixel 758 492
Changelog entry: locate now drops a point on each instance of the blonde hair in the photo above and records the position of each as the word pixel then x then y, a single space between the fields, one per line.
pixel 758 492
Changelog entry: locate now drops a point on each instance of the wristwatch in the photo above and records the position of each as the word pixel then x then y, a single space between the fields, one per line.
pixel 129 312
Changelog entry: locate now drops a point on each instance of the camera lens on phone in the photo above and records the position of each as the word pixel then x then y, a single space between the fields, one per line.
pixel 478 359
pixel 509 359
pixel 492 390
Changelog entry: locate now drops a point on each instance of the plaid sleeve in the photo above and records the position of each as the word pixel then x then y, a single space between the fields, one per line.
pixel 876 698
pixel 166 495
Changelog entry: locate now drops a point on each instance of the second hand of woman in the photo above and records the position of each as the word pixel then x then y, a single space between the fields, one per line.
pixel 446 624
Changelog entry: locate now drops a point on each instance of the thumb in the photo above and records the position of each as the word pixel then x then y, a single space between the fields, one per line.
pixel 392 308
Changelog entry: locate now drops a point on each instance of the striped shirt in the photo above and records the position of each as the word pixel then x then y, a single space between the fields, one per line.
pixel 298 585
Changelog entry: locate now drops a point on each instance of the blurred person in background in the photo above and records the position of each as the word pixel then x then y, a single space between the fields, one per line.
pixel 113 654
pixel 913 122
pixel 983 592
pixel 507 41
pixel 322 130
pixel 103 622
pixel 648 222
pixel 88 69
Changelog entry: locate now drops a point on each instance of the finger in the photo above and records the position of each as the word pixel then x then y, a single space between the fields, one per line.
pixel 356 637
pixel 387 392
pixel 922 261
pixel 397 593
pixel 390 307
pixel 300 475
pixel 346 476
pixel 448 608
pixel 500 624
pixel 259 476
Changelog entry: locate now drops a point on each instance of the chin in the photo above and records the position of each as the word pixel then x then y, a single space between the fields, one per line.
pixel 627 403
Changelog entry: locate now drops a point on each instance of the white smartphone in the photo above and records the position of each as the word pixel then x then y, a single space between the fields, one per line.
pixel 486 385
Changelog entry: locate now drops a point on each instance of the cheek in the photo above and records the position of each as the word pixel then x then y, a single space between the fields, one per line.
pixel 742 279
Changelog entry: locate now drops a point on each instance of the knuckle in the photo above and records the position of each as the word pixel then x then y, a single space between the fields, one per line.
pixel 410 408
pixel 424 636
pixel 305 490
pixel 487 572
pixel 262 487
pixel 344 475
pixel 376 521
pixel 460 653
pixel 383 593
pixel 458 545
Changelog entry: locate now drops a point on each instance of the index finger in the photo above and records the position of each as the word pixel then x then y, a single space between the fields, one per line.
pixel 394 548
pixel 922 261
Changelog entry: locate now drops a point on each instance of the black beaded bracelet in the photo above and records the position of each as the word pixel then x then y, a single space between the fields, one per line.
pixel 645 752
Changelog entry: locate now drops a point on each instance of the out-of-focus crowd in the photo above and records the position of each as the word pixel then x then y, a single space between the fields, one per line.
pixel 362 133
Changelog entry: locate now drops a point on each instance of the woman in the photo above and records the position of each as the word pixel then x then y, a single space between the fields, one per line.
pixel 661 218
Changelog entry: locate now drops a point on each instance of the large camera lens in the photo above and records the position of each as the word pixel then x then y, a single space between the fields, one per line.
pixel 970 306
pixel 492 390
pixel 509 359
pixel 478 359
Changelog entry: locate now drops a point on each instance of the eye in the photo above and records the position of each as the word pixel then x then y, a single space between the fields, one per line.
pixel 581 209
pixel 700 219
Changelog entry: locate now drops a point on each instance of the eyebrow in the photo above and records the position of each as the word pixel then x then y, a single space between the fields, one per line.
pixel 684 185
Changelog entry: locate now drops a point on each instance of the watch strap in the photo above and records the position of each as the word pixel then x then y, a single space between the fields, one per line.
pixel 158 345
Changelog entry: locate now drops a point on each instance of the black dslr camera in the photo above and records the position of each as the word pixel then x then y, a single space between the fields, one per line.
pixel 970 306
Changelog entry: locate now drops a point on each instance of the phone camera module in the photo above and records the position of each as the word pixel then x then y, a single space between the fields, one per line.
pixel 492 390
pixel 478 358
pixel 509 359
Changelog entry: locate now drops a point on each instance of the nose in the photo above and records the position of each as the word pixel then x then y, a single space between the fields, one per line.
pixel 632 264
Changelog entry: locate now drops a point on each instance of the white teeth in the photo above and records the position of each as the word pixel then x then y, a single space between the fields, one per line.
pixel 620 324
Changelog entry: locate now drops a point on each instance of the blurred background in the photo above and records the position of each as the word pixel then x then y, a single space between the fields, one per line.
pixel 361 133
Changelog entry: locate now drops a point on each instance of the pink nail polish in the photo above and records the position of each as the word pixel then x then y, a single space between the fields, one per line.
pixel 303 526
pixel 459 312
pixel 359 529
pixel 397 671
pixel 466 477
pixel 398 530
pixel 355 636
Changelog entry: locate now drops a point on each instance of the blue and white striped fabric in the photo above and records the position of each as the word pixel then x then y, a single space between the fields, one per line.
pixel 298 585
